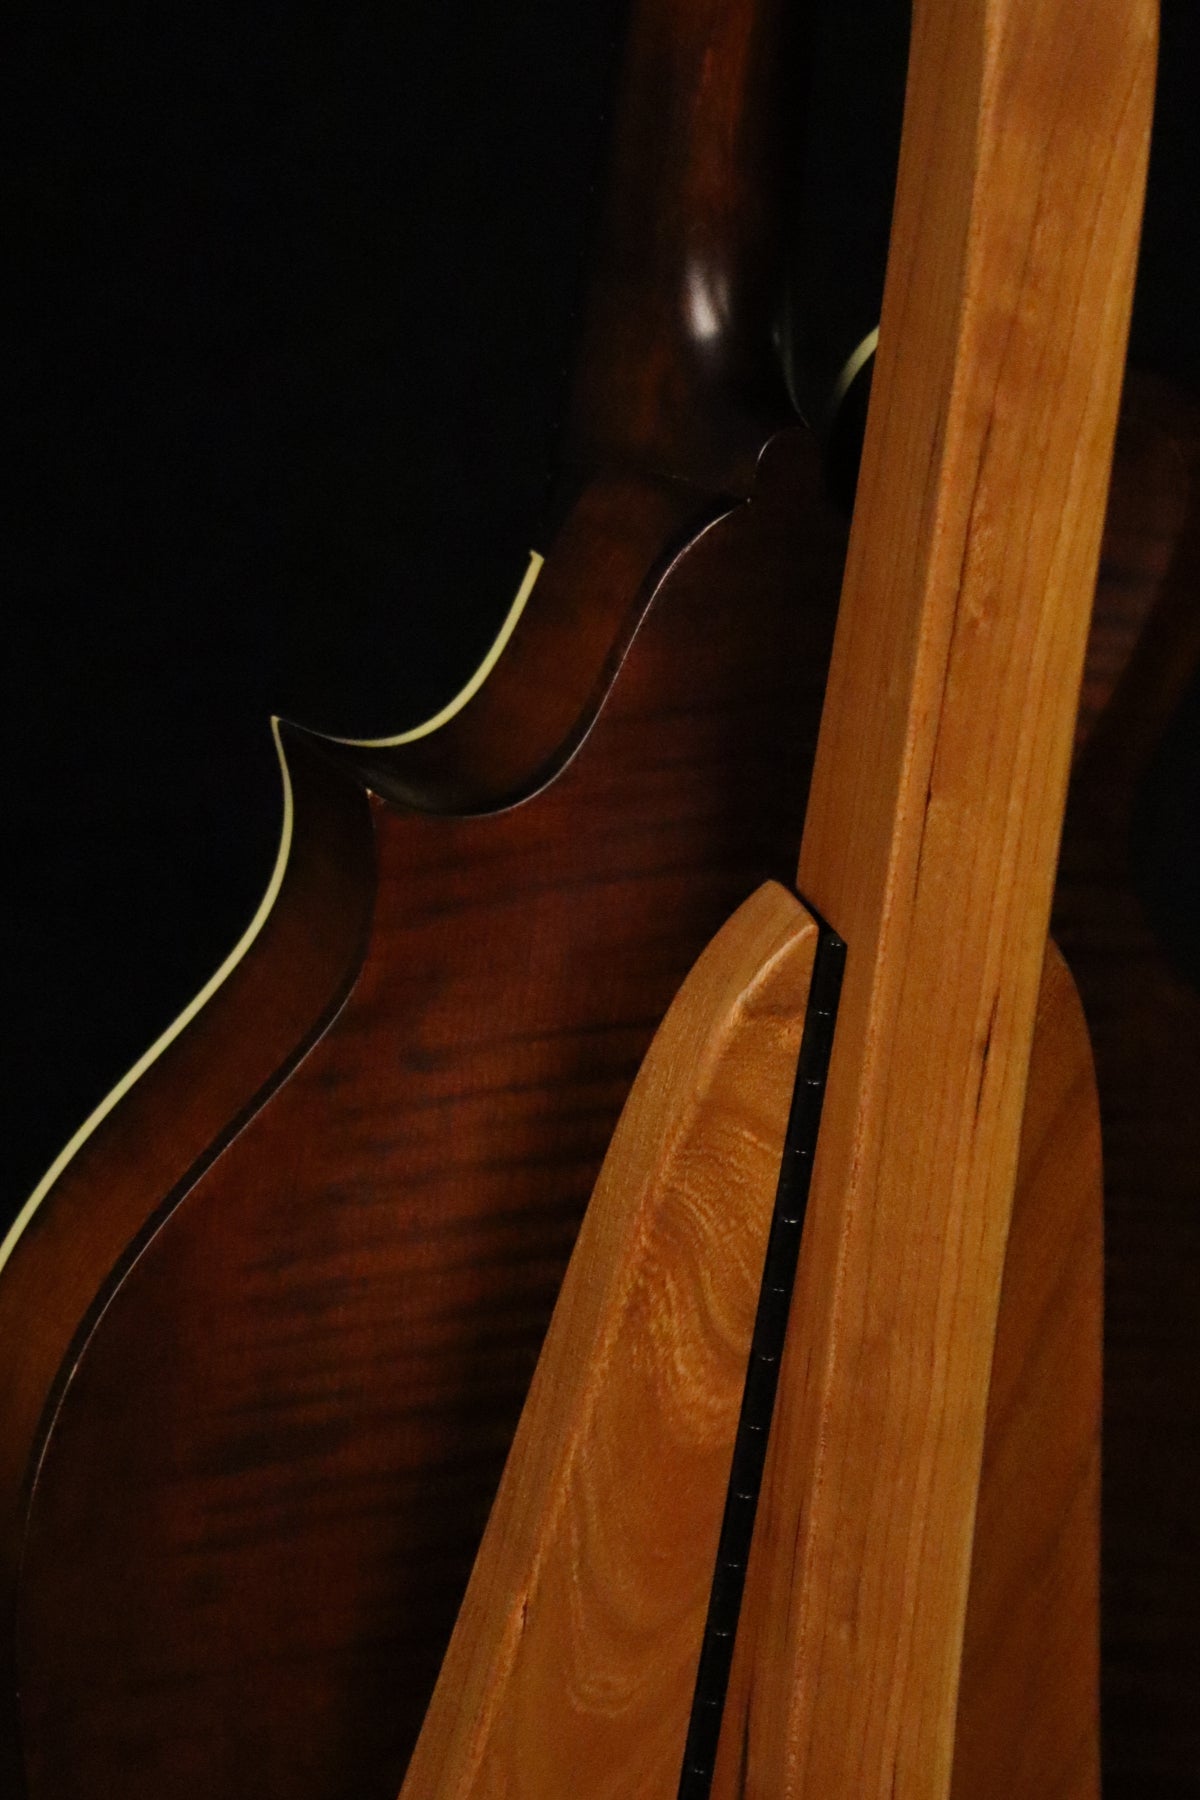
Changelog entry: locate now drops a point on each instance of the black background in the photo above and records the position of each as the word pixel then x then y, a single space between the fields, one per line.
pixel 291 297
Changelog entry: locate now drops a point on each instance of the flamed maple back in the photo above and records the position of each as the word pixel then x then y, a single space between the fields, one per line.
pixel 266 1334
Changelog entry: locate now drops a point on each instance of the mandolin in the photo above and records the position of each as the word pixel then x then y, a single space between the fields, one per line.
pixel 272 1322
pixel 268 1324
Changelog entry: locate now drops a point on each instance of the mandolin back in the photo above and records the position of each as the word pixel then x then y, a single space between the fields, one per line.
pixel 261 1449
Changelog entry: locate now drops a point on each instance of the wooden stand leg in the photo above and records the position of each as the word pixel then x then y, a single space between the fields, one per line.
pixel 573 1662
pixel 572 1667
pixel 1028 1714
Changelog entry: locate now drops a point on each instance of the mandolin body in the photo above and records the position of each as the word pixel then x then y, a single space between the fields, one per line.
pixel 268 1333
pixel 273 1325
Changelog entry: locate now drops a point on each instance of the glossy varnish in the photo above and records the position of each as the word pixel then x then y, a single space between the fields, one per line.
pixel 270 1331
pixel 257 1507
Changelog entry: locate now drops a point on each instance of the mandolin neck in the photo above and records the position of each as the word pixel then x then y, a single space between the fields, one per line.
pixel 678 372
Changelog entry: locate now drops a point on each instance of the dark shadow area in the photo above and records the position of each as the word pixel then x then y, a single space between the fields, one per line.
pixel 292 297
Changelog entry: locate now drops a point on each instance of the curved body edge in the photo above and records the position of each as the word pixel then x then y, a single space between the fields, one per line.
pixel 465 760
pixel 524 714
pixel 328 1270
pixel 153 1135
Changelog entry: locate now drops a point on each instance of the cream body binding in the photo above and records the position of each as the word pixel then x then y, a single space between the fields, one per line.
pixel 263 911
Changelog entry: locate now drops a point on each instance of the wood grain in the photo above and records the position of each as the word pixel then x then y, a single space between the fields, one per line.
pixel 573 1659
pixel 930 844
pixel 268 1389
pixel 237 1573
pixel 271 1455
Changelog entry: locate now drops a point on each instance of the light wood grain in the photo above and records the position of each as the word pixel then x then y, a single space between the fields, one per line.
pixel 573 1660
pixel 1028 1715
pixel 572 1665
pixel 930 845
